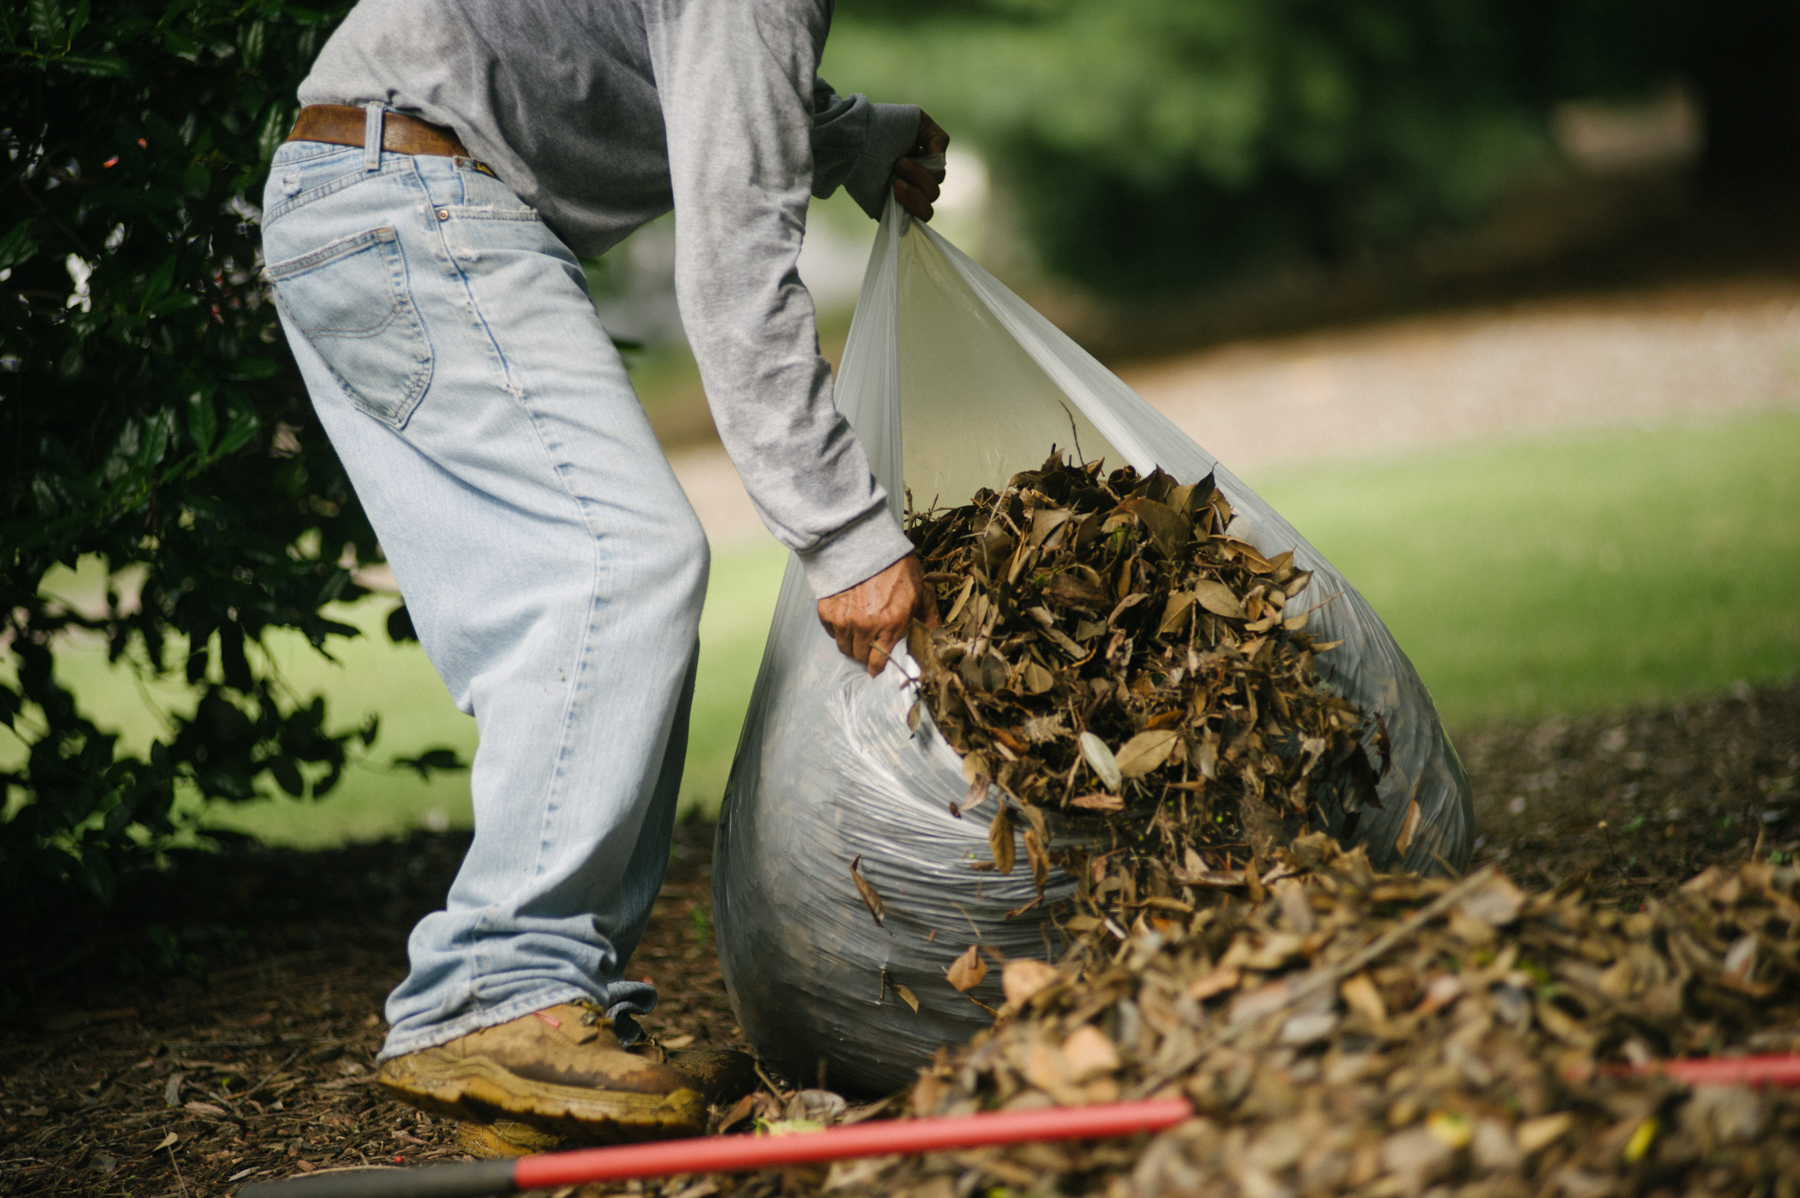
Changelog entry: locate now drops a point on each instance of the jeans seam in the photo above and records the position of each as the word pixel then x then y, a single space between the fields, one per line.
pixel 554 460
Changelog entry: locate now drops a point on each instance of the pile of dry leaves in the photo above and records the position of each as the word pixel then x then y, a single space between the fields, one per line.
pixel 1343 1031
pixel 1111 656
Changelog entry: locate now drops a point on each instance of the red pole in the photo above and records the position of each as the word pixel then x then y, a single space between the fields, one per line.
pixel 726 1154
pixel 1717 1071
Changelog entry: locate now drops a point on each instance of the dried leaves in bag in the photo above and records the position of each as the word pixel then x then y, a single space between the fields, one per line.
pixel 1111 654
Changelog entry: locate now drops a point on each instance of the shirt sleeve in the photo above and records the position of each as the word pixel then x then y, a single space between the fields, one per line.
pixel 855 144
pixel 735 78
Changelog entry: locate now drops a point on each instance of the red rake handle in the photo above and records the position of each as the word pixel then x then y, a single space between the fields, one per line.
pixel 731 1154
pixel 726 1154
pixel 1718 1071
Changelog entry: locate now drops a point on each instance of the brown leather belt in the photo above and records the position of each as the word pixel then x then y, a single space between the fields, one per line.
pixel 342 125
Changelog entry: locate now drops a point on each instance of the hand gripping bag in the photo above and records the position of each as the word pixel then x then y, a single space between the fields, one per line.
pixel 954 383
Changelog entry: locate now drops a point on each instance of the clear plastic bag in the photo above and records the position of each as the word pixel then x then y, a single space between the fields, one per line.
pixel 954 383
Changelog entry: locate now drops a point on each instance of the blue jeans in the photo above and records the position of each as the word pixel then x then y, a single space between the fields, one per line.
pixel 549 559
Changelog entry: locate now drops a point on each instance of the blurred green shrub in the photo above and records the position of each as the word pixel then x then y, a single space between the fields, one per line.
pixel 150 414
pixel 1154 144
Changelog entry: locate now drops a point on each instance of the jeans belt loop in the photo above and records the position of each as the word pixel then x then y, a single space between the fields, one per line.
pixel 372 129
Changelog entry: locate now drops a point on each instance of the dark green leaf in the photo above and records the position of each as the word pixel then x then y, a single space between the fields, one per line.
pixel 400 626
pixel 251 40
pixel 18 244
pixel 287 776
pixel 102 65
pixel 432 759
pixel 202 421
pixel 241 425
pixel 49 22
pixel 248 370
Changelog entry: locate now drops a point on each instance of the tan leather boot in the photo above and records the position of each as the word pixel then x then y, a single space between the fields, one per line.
pixel 722 1076
pixel 560 1070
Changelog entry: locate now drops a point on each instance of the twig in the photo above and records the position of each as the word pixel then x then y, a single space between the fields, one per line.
pixel 1075 433
pixel 179 1180
pixel 265 1081
pixel 1322 979
pixel 766 1080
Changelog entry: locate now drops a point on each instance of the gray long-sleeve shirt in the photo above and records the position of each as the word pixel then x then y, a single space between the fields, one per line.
pixel 604 114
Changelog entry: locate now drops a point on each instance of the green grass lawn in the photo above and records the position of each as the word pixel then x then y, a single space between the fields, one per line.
pixel 1569 574
pixel 1578 573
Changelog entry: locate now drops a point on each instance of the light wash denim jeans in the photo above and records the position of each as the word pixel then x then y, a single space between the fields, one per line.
pixel 551 563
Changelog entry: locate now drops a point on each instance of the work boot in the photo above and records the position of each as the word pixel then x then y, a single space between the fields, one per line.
pixel 721 1075
pixel 506 1138
pixel 561 1071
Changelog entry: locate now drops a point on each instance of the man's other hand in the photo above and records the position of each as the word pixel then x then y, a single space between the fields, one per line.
pixel 871 616
pixel 914 186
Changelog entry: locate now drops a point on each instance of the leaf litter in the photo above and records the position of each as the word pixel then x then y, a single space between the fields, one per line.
pixel 1397 1036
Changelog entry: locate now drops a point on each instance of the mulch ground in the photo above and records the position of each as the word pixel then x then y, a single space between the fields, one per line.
pixel 1634 802
pixel 219 1023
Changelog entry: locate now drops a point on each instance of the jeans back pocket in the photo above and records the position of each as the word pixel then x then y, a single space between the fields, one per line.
pixel 351 300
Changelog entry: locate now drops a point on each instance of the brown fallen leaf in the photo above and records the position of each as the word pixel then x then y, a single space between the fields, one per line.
pixel 1000 840
pixel 1099 800
pixel 1023 979
pixel 864 887
pixel 1175 613
pixel 1361 995
pixel 1146 751
pixel 1089 1053
pixel 1534 1134
pixel 1038 859
pixel 1408 827
pixel 1498 903
pixel 967 971
pixel 1217 982
pixel 1218 599
pixel 1168 529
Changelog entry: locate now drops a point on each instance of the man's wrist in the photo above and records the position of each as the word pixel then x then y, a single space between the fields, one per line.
pixel 854 554
pixel 892 130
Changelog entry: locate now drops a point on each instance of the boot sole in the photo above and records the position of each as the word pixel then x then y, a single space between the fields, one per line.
pixel 504 1139
pixel 476 1089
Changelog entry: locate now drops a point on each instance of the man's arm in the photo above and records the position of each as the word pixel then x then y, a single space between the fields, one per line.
pixel 861 146
pixel 734 77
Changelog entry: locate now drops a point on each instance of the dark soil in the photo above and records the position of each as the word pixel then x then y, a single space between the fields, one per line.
pixel 218 1024
pixel 1633 802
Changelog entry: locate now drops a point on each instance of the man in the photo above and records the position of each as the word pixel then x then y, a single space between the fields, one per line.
pixel 421 228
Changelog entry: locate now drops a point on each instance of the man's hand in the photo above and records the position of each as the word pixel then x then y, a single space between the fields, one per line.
pixel 915 187
pixel 871 616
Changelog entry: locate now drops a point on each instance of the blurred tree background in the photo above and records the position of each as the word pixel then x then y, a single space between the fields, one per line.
pixel 1156 144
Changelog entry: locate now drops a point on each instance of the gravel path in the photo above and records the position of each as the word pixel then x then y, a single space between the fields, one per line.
pixel 1685 353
